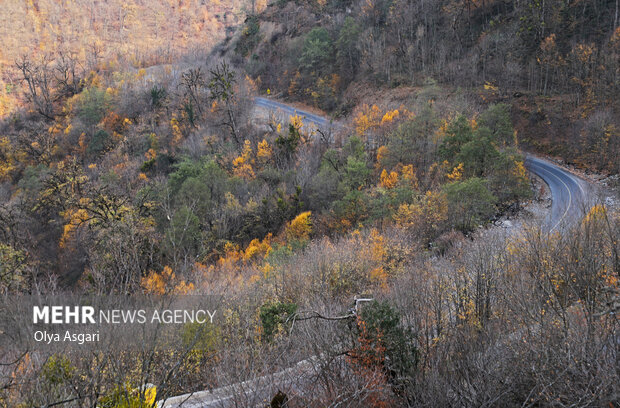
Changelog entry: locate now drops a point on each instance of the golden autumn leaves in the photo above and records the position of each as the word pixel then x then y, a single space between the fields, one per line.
pixel 256 253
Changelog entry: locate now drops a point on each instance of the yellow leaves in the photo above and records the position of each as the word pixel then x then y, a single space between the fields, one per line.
pixel 258 249
pixel 488 86
pixel 388 180
pixel 457 173
pixel 266 270
pixel 150 154
pixel 367 119
pixel 425 216
pixel 213 106
pixel 519 170
pixel 382 153
pixel 92 166
pixel 584 52
pixel 142 177
pixel 165 282
pixel 256 252
pixel 177 134
pixel 279 128
pixel 300 228
pixel 441 131
pixel 596 213
pixel 55 129
pixel 75 218
pixel 93 80
pixel 242 165
pixel 149 396
pixel 232 255
pixel 296 121
pixel 490 90
pixel 389 116
pixel 407 214
pixel 111 92
pixel 379 276
pixel 7 165
pixel 377 246
pixel 548 45
pixel 264 151
pixel 408 175
pixel 82 145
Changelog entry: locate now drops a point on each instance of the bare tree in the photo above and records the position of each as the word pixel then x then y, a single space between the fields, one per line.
pixel 39 78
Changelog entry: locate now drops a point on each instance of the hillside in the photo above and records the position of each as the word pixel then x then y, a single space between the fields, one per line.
pixel 555 62
pixel 400 255
pixel 72 38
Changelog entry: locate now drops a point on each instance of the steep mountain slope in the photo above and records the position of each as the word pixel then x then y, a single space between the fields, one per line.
pixel 556 62
pixel 74 37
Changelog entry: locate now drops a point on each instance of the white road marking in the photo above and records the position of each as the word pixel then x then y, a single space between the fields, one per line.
pixel 570 196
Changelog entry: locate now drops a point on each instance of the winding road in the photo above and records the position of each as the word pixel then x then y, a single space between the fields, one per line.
pixel 571 197
pixel 570 194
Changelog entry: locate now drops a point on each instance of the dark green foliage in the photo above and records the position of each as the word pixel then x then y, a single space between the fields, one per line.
pixel 276 317
pixel 200 338
pixel 458 134
pixel 412 142
pixel 93 105
pixel 157 96
pixel 479 154
pixel 287 145
pixel 383 329
pixel 99 143
pixel 348 53
pixel 190 113
pixel 497 119
pixel 470 203
pixel 249 36
pixel 356 174
pixel 279 400
pixel 57 370
pixel 317 51
pixel 506 182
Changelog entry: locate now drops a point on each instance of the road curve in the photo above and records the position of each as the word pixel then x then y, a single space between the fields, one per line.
pixel 569 194
pixel 570 198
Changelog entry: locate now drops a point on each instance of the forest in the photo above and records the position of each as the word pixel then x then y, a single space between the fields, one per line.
pixel 134 162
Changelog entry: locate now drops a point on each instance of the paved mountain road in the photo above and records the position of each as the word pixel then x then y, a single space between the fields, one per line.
pixel 570 197
pixel 292 111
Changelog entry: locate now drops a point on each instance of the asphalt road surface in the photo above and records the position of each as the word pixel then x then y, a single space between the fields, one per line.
pixel 569 194
pixel 307 117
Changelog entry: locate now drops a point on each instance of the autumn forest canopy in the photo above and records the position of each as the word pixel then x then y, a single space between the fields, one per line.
pixel 134 161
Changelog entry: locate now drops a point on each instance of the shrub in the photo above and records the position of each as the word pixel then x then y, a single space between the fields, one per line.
pixel 275 317
pixel 470 202
pixel 99 143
